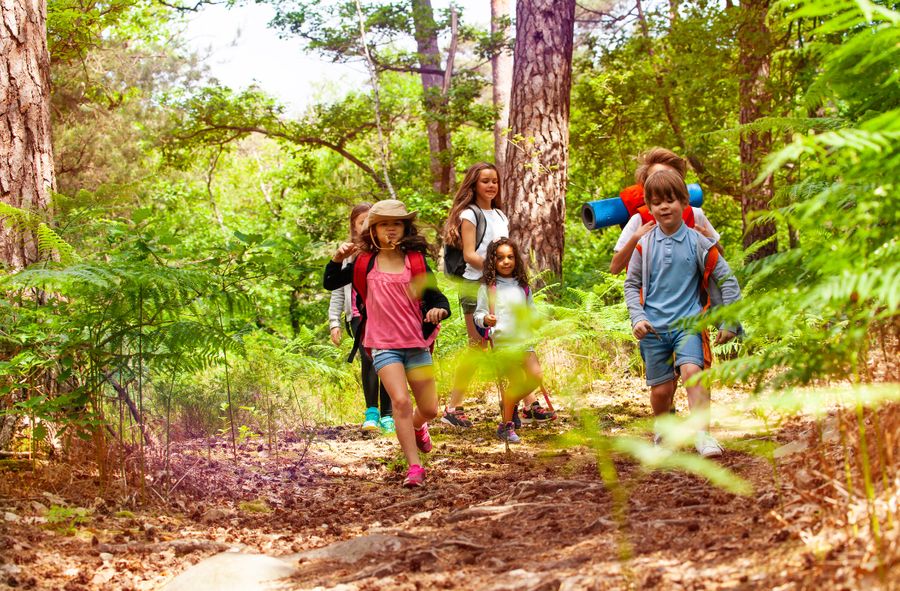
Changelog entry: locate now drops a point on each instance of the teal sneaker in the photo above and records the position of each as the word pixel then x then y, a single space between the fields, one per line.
pixel 371 422
pixel 387 425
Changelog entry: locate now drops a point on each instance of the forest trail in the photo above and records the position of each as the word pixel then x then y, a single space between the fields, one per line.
pixel 536 518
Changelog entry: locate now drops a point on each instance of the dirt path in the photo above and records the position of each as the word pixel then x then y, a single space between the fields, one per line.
pixel 535 518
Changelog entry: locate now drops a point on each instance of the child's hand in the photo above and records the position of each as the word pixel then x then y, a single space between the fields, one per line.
pixel 642 329
pixel 345 250
pixel 705 230
pixel 724 336
pixel 336 335
pixel 644 229
pixel 435 315
pixel 490 320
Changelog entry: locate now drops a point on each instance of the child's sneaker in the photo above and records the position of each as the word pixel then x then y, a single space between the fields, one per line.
pixel 387 425
pixel 535 413
pixel 517 420
pixel 372 417
pixel 707 446
pixel 415 477
pixel 423 439
pixel 507 432
pixel 456 418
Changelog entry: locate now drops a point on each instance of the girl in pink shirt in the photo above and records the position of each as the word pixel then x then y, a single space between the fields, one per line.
pixel 401 307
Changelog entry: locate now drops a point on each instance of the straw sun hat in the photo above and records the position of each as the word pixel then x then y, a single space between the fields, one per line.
pixel 389 209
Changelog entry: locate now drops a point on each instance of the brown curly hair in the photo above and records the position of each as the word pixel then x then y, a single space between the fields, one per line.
pixel 465 196
pixel 520 272
pixel 655 156
pixel 412 241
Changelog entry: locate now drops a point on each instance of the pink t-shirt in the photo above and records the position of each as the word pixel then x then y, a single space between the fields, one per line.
pixel 394 317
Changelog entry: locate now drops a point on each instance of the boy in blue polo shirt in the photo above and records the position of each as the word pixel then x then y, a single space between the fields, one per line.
pixel 667 284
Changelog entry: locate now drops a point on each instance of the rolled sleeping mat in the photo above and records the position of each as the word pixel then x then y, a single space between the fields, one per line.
pixel 612 212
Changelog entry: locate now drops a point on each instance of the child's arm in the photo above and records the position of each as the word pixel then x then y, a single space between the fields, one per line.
pixel 731 292
pixel 633 284
pixel 437 307
pixel 624 250
pixel 335 309
pixel 335 276
pixel 482 308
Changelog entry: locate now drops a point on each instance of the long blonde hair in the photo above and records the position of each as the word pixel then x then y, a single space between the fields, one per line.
pixel 465 196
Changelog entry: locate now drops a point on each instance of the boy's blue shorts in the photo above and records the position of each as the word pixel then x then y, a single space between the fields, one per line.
pixel 660 350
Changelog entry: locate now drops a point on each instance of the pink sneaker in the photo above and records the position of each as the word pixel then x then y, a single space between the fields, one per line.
pixel 423 439
pixel 415 477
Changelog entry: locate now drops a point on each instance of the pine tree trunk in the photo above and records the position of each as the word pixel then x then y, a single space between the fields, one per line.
pixel 26 156
pixel 26 165
pixel 755 47
pixel 439 143
pixel 537 162
pixel 501 77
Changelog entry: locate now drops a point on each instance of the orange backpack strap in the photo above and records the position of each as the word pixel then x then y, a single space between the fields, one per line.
pixel 712 259
pixel 646 216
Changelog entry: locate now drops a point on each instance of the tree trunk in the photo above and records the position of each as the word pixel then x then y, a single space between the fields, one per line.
pixel 26 164
pixel 755 51
pixel 439 145
pixel 26 155
pixel 537 159
pixel 501 77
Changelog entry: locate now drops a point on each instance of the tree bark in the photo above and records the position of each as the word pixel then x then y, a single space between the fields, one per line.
pixel 755 53
pixel 439 143
pixel 537 159
pixel 501 77
pixel 26 155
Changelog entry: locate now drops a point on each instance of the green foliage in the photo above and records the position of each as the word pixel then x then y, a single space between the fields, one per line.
pixel 65 520
pixel 813 306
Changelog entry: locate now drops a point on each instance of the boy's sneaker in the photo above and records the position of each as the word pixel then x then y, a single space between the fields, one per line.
pixel 507 432
pixel 516 419
pixel 415 477
pixel 707 446
pixel 456 418
pixel 423 439
pixel 372 418
pixel 387 424
pixel 535 413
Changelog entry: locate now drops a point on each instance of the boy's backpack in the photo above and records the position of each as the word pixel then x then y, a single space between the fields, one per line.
pixel 362 266
pixel 633 198
pixel 454 262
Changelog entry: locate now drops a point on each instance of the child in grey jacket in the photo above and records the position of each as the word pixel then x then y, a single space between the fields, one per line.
pixel 668 283
pixel 342 310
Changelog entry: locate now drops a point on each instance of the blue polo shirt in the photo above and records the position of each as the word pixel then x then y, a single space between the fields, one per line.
pixel 673 290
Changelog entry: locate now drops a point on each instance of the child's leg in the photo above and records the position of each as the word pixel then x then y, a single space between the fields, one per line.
pixel 421 380
pixel 698 394
pixel 369 380
pixel 466 368
pixel 393 377
pixel 521 384
pixel 656 351
pixel 689 358
pixel 661 396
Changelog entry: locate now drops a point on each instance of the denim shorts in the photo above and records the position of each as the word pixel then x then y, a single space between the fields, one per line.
pixel 410 358
pixel 667 350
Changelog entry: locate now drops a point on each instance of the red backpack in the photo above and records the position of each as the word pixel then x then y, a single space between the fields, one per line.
pixel 363 264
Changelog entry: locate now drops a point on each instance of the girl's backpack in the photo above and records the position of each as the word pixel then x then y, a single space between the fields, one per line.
pixel 454 261
pixel 362 266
